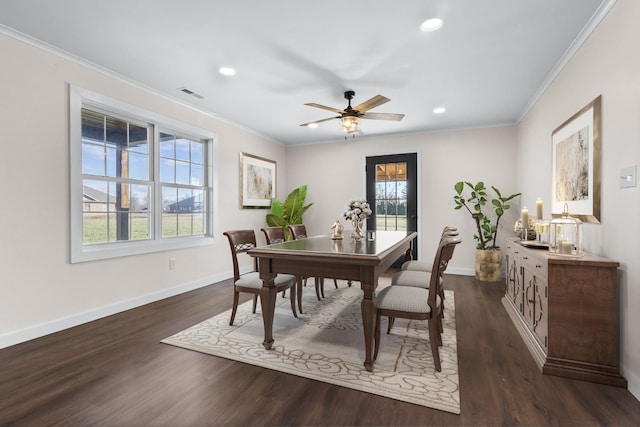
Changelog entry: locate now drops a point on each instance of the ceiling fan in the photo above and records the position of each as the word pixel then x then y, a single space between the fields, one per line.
pixel 350 116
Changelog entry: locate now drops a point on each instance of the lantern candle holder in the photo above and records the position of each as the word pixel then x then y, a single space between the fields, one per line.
pixel 565 235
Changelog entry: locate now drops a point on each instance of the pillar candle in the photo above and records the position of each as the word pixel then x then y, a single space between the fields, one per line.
pixel 525 217
pixel 566 247
pixel 539 208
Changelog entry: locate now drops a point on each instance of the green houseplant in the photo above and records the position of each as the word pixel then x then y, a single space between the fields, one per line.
pixel 474 198
pixel 290 211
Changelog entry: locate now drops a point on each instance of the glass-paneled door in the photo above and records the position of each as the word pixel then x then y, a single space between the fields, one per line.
pixel 392 193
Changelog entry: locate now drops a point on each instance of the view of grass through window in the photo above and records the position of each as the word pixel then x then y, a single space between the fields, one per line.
pixel 391 196
pixel 118 181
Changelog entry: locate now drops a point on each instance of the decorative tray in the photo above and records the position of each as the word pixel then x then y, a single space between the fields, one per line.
pixel 534 244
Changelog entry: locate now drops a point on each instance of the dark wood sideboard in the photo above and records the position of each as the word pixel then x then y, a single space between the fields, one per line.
pixel 566 311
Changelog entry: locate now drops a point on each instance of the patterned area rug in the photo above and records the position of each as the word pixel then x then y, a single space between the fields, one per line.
pixel 326 343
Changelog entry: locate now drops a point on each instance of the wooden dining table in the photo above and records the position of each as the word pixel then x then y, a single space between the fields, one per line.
pixel 320 256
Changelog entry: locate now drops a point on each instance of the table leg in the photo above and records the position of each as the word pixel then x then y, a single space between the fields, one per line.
pixel 268 294
pixel 368 307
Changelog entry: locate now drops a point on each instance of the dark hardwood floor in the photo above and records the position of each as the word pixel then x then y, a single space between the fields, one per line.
pixel 115 372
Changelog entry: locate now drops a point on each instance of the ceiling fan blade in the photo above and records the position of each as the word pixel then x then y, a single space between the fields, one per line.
pixel 320 121
pixel 324 107
pixel 383 116
pixel 371 103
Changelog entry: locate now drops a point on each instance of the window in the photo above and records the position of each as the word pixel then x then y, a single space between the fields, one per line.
pixel 140 182
pixel 391 196
pixel 181 180
pixel 116 185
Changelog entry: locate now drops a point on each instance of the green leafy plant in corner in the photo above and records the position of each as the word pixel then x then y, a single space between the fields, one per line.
pixel 474 201
pixel 289 212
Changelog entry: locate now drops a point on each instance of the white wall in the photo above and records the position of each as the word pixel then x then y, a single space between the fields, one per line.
pixel 607 64
pixel 40 291
pixel 334 174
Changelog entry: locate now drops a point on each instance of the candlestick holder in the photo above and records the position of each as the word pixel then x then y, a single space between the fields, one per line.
pixel 527 232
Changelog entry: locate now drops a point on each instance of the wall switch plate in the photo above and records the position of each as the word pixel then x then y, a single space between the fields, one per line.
pixel 628 177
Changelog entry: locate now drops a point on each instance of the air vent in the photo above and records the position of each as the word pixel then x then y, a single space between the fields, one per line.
pixel 190 92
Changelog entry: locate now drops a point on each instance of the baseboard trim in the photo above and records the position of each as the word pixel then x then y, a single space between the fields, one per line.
pixel 633 383
pixel 461 271
pixel 36 331
pixel 40 330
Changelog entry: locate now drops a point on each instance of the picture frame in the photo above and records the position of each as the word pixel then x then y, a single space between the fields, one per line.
pixel 576 174
pixel 257 181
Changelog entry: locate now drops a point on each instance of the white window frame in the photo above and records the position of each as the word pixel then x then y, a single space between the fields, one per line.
pixel 79 252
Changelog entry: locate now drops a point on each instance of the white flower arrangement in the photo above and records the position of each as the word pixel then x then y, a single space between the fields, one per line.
pixel 357 210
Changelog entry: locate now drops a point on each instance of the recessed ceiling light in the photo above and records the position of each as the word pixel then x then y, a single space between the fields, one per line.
pixel 226 71
pixel 431 24
pixel 312 125
pixel 439 110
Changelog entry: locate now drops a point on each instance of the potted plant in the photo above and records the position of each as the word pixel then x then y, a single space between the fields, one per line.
pixel 290 212
pixel 474 200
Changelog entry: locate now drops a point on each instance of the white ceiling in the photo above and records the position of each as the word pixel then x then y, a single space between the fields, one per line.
pixel 486 65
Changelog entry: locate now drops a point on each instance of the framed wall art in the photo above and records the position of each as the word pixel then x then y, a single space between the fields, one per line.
pixel 257 181
pixel 576 174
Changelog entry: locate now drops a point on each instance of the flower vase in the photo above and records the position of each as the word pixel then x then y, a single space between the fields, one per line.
pixel 357 234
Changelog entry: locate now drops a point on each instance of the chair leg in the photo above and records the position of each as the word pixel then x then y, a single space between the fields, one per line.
pixel 299 291
pixel 293 301
pixel 433 342
pixel 391 320
pixel 236 295
pixel 322 286
pixel 376 337
pixel 335 282
pixel 317 280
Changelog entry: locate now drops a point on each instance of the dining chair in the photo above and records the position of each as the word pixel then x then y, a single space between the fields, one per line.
pixel 273 235
pixel 299 231
pixel 421 278
pixel 241 241
pixel 415 265
pixel 416 303
pixel 418 273
pixel 276 234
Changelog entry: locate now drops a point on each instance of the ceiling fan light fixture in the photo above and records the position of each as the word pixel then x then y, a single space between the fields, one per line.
pixel 312 125
pixel 432 24
pixel 349 124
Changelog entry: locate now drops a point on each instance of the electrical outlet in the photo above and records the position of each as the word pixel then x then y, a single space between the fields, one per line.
pixel 172 263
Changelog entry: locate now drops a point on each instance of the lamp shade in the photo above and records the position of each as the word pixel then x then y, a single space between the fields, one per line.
pixel 349 124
